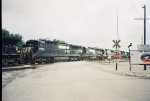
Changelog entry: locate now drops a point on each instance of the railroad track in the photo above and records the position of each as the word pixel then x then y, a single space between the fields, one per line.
pixel 12 68
pixel 22 66
pixel 34 66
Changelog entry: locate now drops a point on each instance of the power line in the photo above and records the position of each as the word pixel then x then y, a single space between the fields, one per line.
pixel 117 25
pixel 42 13
pixel 141 3
pixel 32 10
pixel 135 8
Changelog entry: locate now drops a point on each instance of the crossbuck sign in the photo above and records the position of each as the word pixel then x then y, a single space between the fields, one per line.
pixel 116 44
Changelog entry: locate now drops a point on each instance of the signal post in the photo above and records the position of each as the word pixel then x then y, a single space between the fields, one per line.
pixel 116 56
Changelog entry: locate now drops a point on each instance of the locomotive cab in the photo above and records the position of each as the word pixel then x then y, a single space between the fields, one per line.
pixel 10 54
pixel 27 52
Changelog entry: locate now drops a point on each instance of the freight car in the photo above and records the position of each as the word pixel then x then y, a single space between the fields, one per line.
pixel 10 53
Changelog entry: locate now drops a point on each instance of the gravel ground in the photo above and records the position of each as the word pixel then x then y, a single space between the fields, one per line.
pixel 77 81
pixel 123 69
pixel 9 76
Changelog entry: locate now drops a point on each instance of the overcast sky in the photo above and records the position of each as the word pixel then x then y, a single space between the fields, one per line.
pixel 80 22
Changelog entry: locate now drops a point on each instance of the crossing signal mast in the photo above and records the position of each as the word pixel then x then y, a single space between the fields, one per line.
pixel 144 26
pixel 116 43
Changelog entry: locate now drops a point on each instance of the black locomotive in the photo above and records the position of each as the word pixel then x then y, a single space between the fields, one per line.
pixel 48 51
pixel 35 51
pixel 10 53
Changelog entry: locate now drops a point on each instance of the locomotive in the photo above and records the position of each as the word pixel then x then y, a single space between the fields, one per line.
pixel 10 53
pixel 35 51
pixel 49 51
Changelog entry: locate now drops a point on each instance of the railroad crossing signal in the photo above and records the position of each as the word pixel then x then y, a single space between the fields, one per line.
pixel 116 56
pixel 116 43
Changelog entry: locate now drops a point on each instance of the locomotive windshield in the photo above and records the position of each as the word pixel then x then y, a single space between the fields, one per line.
pixel 91 51
pixel 63 47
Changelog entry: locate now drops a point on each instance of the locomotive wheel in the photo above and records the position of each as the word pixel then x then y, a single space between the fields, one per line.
pixel 52 59
pixel 69 59
pixel 5 62
pixel 15 62
pixel 49 61
pixel 33 62
pixel 26 63
pixel 41 61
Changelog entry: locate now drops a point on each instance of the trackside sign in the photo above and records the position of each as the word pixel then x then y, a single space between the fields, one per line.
pixel 143 47
pixel 140 57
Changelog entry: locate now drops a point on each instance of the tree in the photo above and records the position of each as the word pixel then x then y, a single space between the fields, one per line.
pixel 5 32
pixel 18 36
pixel 12 35
pixel 40 39
pixel 20 44
pixel 59 41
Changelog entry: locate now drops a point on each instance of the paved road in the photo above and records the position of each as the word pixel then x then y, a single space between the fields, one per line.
pixel 75 81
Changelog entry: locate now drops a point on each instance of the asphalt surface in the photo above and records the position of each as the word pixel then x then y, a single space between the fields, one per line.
pixel 75 81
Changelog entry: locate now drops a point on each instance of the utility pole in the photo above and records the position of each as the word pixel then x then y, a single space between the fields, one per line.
pixel 144 27
pixel 144 24
pixel 130 55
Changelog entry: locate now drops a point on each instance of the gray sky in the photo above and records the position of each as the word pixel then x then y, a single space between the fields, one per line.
pixel 80 22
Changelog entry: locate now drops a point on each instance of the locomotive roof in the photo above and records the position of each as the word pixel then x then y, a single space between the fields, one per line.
pixel 10 40
pixel 75 45
pixel 35 41
pixel 42 41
